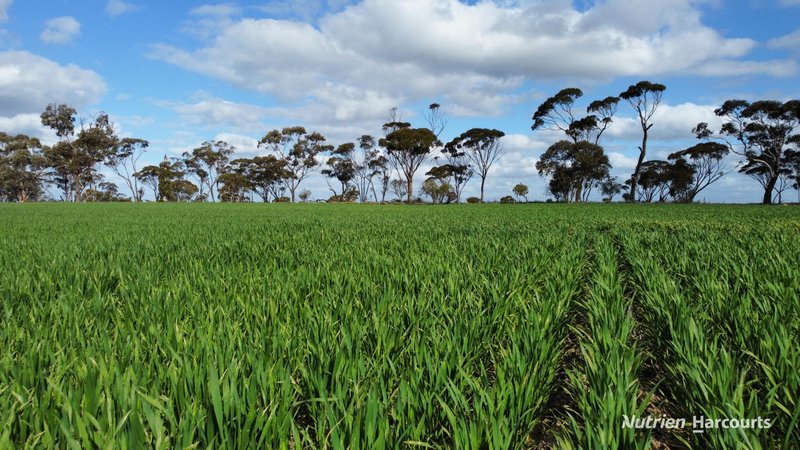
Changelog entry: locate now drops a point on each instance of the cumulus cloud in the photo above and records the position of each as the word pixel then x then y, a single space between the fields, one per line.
pixel 359 60
pixel 246 146
pixel 28 83
pixel 621 161
pixel 210 111
pixel 118 7
pixel 670 122
pixel 28 124
pixel 61 30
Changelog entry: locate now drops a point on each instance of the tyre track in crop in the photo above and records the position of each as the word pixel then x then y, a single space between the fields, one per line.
pixel 604 385
pixel 651 373
pixel 556 419
pixel 701 373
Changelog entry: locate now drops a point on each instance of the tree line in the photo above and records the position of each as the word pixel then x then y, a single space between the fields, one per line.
pixel 763 133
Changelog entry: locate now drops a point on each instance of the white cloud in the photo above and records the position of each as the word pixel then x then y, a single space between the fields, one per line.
pixel 790 2
pixel 61 30
pixel 355 63
pixel 790 41
pixel 669 122
pixel 28 124
pixel 218 10
pixel 620 161
pixel 28 83
pixel 208 20
pixel 246 146
pixel 4 5
pixel 118 7
pixel 209 111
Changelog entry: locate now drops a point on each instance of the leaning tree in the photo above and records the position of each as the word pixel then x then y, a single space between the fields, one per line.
pixel 706 160
pixel 557 113
pixel 761 132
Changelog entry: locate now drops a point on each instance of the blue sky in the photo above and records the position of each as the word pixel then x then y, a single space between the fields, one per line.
pixel 178 73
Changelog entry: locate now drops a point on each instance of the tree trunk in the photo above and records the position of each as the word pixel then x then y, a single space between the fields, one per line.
pixel 483 180
pixel 635 177
pixel 410 189
pixel 767 200
pixel 374 192
pixel 642 153
pixel 79 189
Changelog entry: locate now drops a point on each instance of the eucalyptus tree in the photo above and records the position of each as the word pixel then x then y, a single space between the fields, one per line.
pixel 124 160
pixel 653 182
pixel 610 187
pixel 436 119
pixel 438 190
pixel 299 149
pixel 341 167
pixel 457 170
pixel 792 158
pixel 267 175
pixel 370 164
pixel 207 163
pixel 761 132
pixel 78 152
pixel 520 190
pixel 706 161
pixel 381 166
pixel 167 181
pixel 644 97
pixel 22 168
pixel 407 148
pixel 399 188
pixel 482 147
pixel 236 183
pixel 575 169
pixel 557 113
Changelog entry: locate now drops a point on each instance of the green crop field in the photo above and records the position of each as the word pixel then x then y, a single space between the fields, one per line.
pixel 367 327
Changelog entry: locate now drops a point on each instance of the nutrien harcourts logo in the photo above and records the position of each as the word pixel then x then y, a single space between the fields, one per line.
pixel 699 424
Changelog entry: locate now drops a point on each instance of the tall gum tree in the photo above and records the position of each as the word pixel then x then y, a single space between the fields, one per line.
pixel 208 162
pixel 123 161
pixel 644 97
pixel 407 149
pixel 75 157
pixel 761 132
pixel 299 149
pixel 557 114
pixel 482 147
pixel 707 162
pixel 22 168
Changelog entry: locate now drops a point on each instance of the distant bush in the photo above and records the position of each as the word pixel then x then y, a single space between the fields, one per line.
pixel 507 199
pixel 473 200
pixel 282 200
